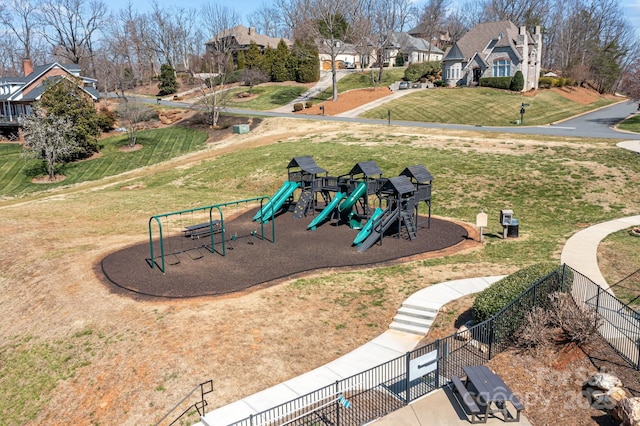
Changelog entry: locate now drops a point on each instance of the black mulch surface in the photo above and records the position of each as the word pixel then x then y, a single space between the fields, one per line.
pixel 250 261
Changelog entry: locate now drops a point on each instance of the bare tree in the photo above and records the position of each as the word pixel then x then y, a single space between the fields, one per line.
pixel 386 17
pixel 72 26
pixel 270 20
pixel 48 138
pixel 433 19
pixel 20 17
pixel 329 23
pixel 218 20
pixel 132 113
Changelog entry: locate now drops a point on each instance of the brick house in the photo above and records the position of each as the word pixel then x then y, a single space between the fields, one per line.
pixel 17 94
pixel 494 49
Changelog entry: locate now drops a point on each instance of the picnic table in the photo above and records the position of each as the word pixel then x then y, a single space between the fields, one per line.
pixel 484 393
pixel 202 229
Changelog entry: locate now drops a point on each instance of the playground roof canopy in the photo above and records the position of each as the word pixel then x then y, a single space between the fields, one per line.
pixel 401 185
pixel 367 168
pixel 306 164
pixel 418 173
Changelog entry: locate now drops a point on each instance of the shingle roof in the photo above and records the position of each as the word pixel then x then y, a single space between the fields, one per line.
pixel 502 33
pixel 306 164
pixel 400 185
pixel 244 36
pixel 419 173
pixel 367 168
pixel 407 42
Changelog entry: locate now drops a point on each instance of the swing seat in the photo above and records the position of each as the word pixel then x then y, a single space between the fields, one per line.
pixel 202 229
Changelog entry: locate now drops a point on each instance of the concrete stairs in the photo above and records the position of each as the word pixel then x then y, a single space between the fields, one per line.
pixel 414 318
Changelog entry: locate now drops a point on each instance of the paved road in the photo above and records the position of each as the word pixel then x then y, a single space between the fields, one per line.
pixel 596 124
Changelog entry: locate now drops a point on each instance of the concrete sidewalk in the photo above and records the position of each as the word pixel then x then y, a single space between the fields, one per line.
pixel 386 347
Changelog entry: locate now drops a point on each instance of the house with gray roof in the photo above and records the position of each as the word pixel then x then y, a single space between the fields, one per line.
pixel 494 49
pixel 412 49
pixel 17 94
pixel 240 37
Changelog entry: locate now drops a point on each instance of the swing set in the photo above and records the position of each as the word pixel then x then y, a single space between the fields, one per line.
pixel 197 229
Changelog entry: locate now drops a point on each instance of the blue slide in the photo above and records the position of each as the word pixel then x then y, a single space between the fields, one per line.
pixel 269 209
pixel 326 211
pixel 366 230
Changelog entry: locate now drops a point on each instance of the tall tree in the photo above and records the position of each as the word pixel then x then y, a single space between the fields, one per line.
pixel 386 17
pixel 64 98
pixel 218 20
pixel 328 22
pixel 21 18
pixel 72 27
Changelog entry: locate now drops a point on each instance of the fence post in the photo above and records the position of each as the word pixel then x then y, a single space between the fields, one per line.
pixel 337 403
pixel 598 300
pixel 407 398
pixel 564 272
pixel 491 337
pixel 437 342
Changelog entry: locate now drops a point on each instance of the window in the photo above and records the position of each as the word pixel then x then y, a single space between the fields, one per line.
pixel 502 68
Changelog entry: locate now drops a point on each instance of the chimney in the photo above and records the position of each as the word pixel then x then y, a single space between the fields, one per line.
pixel 252 31
pixel 27 66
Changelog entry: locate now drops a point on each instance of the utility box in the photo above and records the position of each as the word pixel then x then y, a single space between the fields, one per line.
pixel 506 216
pixel 241 128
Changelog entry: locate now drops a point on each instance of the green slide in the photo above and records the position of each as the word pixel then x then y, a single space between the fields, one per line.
pixel 277 201
pixel 360 190
pixel 326 211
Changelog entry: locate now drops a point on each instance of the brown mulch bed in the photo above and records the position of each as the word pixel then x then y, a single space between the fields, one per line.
pixel 192 270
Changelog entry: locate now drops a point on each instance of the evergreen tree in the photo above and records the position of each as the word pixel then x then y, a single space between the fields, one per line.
pixel 240 60
pixel 517 82
pixel 268 61
pixel 64 98
pixel 168 81
pixel 307 62
pixel 253 57
pixel 279 70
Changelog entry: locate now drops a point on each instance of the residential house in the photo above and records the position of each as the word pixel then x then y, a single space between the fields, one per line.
pixel 347 56
pixel 17 94
pixel 494 49
pixel 239 38
pixel 440 40
pixel 412 50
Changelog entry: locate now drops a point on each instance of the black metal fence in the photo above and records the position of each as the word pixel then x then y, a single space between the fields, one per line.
pixel 381 390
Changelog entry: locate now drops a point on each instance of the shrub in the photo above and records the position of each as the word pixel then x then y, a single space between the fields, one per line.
pixel 106 119
pixel 298 106
pixel 562 322
pixel 517 82
pixel 545 82
pixel 308 104
pixel 496 82
pixel 415 72
pixel 495 297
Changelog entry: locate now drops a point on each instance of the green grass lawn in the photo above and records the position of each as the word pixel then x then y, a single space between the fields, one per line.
pixel 480 106
pixel 268 97
pixel 619 261
pixel 16 173
pixel 555 186
pixel 632 124
pixel 362 80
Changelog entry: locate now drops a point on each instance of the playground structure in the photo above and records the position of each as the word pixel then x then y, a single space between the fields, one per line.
pixel 362 198
pixel 349 199
pixel 197 229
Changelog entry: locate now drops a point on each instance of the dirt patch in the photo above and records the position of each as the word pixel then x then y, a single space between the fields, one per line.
pixel 581 95
pixel 47 179
pixel 348 101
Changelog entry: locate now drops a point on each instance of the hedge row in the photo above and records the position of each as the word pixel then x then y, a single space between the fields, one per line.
pixel 495 297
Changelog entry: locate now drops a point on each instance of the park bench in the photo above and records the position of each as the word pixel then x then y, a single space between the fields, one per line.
pixel 202 229
pixel 466 399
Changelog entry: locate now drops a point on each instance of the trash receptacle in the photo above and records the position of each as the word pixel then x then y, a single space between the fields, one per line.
pixel 512 230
